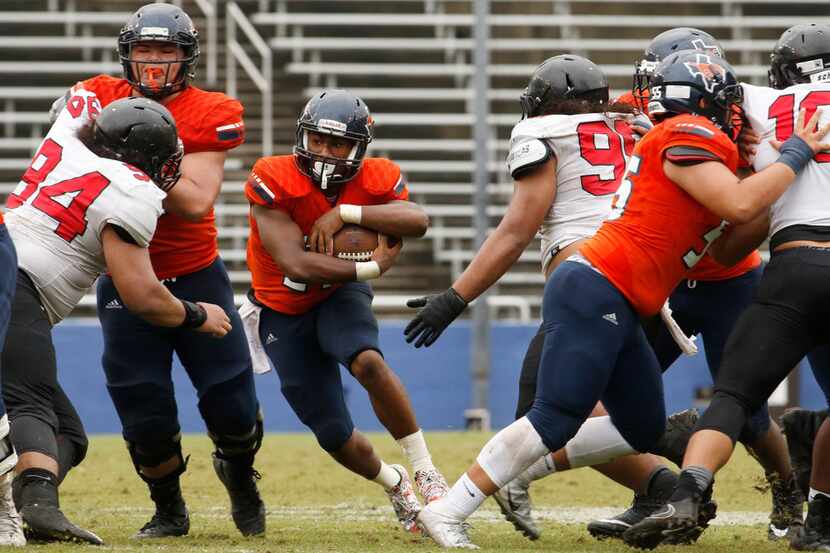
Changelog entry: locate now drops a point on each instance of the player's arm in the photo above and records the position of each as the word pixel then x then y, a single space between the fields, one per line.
pixel 742 200
pixel 283 240
pixel 143 294
pixel 740 240
pixel 196 191
pixel 397 218
pixel 533 195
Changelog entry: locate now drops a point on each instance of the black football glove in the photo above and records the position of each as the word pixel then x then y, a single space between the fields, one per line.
pixel 436 314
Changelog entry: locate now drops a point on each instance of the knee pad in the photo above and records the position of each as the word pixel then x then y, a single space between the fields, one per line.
pixel 152 453
pixel 72 449
pixel 235 446
pixel 757 425
pixel 231 407
pixel 555 425
pixel 511 451
pixel 31 434
pixel 725 414
pixel 597 441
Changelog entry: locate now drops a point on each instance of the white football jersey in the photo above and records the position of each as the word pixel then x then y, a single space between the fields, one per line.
pixel 62 204
pixel 591 151
pixel 772 114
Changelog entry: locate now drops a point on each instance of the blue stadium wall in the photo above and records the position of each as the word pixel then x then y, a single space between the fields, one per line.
pixel 437 379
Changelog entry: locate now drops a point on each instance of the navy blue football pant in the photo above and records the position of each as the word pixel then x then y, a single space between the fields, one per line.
pixel 787 320
pixel 306 350
pixel 594 350
pixel 8 283
pixel 138 362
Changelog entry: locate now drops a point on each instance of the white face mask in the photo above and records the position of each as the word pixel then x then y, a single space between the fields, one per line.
pixel 324 172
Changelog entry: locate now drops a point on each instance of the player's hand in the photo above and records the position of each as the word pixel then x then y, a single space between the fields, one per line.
pixel 747 142
pixel 641 124
pixel 217 324
pixel 387 252
pixel 321 238
pixel 436 313
pixel 809 132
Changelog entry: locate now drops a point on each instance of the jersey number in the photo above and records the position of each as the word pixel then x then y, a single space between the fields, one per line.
pixel 620 199
pixel 71 217
pixel 692 256
pixel 602 146
pixel 782 111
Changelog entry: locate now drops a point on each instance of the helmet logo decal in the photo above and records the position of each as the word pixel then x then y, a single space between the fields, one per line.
pixel 710 73
pixel 712 49
pixel 155 31
pixel 332 125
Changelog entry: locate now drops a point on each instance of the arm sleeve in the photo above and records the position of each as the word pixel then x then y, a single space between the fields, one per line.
pixel 690 142
pixel 137 218
pixel 262 188
pixel 222 128
pixel 527 153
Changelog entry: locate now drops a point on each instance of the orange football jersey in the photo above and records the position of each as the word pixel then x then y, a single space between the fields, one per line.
pixel 206 122
pixel 276 183
pixel 657 232
pixel 707 269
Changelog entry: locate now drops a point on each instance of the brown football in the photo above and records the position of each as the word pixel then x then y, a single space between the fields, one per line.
pixel 355 243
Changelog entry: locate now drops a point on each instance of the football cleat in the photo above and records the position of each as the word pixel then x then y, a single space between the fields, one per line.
pixel 166 523
pixel 443 530
pixel 679 428
pixel 787 507
pixel 515 505
pixel 676 521
pixel 11 525
pixel 247 508
pixel 814 535
pixel 800 426
pixel 404 501
pixel 48 523
pixel 431 484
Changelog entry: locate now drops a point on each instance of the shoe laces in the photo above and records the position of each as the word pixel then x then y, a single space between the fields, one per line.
pixel 432 484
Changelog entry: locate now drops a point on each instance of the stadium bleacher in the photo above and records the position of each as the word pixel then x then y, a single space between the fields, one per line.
pixel 410 60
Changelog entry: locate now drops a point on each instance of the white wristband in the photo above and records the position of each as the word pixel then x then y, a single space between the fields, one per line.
pixel 351 213
pixel 367 270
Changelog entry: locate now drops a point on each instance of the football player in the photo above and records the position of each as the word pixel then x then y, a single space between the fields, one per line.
pixel 313 311
pixel 158 48
pixel 665 216
pixel 786 320
pixel 88 204
pixel 708 302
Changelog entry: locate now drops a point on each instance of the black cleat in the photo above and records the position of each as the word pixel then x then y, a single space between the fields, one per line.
pixel 801 426
pixel 787 507
pixel 247 508
pixel 678 522
pixel 679 428
pixel 166 523
pixel 47 523
pixel 814 535
pixel 659 490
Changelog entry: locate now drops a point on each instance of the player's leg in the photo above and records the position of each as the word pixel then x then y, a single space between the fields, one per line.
pixel 347 330
pixel 29 387
pixel 11 531
pixel 310 382
pixel 137 362
pixel 587 323
pixel 71 438
pixel 222 375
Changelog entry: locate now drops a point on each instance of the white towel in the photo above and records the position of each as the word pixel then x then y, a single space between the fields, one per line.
pixel 250 322
pixel 686 343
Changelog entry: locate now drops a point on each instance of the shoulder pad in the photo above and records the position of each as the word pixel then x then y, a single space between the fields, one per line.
pixel 694 125
pixel 379 176
pixel 546 126
pixel 526 152
pixel 690 154
pixel 281 177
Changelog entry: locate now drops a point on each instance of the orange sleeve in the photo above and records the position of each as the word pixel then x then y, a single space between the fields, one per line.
pixel 222 127
pixel 261 188
pixel 384 178
pixel 694 139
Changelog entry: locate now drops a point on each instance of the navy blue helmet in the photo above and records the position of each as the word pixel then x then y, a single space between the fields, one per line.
pixel 665 44
pixel 801 55
pixel 563 77
pixel 159 23
pixel 694 82
pixel 140 132
pixel 339 113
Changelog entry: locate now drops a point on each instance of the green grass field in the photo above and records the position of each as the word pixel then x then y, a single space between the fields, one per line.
pixel 314 505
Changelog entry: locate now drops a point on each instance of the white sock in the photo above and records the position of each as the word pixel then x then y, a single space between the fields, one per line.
pixel 539 469
pixel 415 448
pixel 814 492
pixel 462 500
pixel 387 477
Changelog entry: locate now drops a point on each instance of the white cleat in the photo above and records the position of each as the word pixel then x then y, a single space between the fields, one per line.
pixel 431 484
pixel 404 501
pixel 444 531
pixel 11 526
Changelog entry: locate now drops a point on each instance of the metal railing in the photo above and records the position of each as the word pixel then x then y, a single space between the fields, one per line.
pixel 210 10
pixel 262 77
